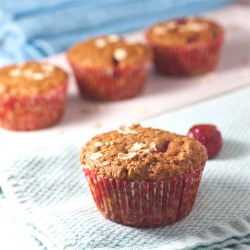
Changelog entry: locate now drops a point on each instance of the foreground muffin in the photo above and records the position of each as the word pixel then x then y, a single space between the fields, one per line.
pixel 188 46
pixel 32 95
pixel 143 177
pixel 109 67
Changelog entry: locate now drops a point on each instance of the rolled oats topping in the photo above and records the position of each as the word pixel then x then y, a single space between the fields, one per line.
pixel 31 78
pixel 144 154
pixel 120 54
pixel 123 156
pixel 113 38
pixel 138 146
pixel 159 30
pixel 100 43
pixel 95 156
pixel 98 144
pixel 15 72
pixel 107 52
pixel 48 67
pixel 152 146
pixel 126 130
pixel 171 25
pixel 182 31
pixel 192 26
pixel 162 29
pixel 38 76
pixel 109 143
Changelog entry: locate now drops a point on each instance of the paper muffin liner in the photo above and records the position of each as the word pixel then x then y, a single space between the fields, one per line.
pixel 187 60
pixel 114 84
pixel 37 111
pixel 144 203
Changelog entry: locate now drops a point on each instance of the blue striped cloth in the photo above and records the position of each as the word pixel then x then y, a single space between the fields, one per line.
pixel 32 29
pixel 46 187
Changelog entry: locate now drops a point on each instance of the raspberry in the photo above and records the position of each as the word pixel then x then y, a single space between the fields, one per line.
pixel 209 136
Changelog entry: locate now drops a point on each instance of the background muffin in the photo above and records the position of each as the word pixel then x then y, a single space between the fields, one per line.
pixel 143 177
pixel 188 46
pixel 109 67
pixel 32 95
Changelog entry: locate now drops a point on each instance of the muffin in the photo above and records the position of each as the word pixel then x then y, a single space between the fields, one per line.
pixel 32 96
pixel 143 177
pixel 185 47
pixel 109 67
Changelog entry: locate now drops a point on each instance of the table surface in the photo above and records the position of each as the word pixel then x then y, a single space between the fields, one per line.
pixel 84 118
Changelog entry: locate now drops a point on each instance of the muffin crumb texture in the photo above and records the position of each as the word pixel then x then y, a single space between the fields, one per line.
pixel 138 153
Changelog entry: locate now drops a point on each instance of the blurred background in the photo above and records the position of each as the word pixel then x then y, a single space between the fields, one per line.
pixel 33 29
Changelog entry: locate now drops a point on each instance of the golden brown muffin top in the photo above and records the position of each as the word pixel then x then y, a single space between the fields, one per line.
pixel 30 78
pixel 107 52
pixel 138 153
pixel 192 30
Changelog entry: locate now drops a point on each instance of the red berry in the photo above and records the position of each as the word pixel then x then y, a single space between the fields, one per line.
pixel 209 136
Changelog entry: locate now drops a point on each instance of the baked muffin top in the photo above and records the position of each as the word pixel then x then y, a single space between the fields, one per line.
pixel 30 78
pixel 108 52
pixel 138 153
pixel 191 30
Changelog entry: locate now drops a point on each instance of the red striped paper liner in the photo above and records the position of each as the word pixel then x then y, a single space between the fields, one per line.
pixel 187 60
pixel 144 203
pixel 33 112
pixel 109 85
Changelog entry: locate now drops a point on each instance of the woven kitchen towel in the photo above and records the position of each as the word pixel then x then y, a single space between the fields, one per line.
pixel 48 189
pixel 33 29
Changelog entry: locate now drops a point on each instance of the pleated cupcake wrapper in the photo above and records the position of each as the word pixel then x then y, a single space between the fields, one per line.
pixel 189 59
pixel 32 112
pixel 114 84
pixel 144 203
